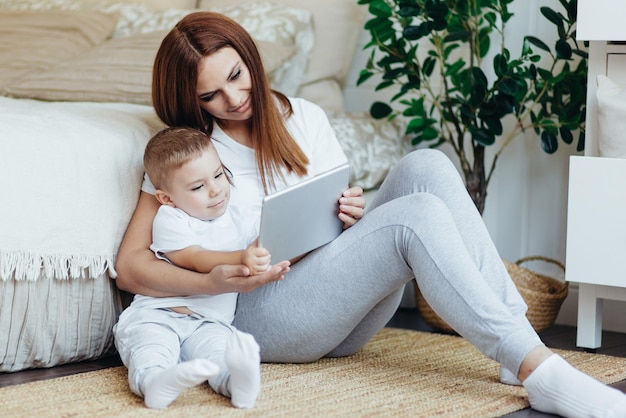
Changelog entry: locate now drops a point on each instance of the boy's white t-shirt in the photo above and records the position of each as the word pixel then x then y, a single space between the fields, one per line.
pixel 309 127
pixel 173 229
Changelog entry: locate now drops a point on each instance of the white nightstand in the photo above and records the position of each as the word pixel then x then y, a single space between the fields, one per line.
pixel 596 220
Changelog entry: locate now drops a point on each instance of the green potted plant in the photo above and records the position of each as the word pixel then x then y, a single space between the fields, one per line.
pixel 458 84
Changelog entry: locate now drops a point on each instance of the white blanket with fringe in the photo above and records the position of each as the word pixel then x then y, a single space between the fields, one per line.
pixel 70 175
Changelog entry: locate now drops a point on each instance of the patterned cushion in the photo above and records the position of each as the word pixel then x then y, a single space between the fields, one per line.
pixel 373 146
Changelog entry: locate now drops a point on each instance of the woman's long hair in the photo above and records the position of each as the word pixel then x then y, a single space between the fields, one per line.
pixel 175 99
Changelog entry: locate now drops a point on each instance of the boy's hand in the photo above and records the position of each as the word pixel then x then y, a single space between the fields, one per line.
pixel 257 259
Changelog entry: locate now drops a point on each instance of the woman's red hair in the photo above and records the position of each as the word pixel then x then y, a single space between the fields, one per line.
pixel 176 101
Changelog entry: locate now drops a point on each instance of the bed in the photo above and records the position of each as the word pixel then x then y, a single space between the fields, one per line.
pixel 75 114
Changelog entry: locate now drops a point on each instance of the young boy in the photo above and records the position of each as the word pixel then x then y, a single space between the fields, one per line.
pixel 170 344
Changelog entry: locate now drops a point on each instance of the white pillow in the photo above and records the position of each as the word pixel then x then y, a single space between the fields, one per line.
pixel 611 116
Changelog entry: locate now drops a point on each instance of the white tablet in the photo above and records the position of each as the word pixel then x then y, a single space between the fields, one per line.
pixel 302 217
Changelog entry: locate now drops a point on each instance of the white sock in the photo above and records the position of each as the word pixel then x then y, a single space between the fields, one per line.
pixel 162 388
pixel 508 378
pixel 244 363
pixel 557 387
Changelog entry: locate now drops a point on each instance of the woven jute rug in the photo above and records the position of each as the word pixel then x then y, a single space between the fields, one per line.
pixel 400 373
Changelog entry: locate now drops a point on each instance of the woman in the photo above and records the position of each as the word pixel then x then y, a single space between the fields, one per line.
pixel 422 225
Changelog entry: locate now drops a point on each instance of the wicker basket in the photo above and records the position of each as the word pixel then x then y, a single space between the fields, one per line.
pixel 544 295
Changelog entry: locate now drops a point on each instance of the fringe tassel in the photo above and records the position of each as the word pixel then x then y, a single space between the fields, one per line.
pixel 20 265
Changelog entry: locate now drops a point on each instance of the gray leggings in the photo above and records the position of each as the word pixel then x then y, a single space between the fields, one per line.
pixel 423 225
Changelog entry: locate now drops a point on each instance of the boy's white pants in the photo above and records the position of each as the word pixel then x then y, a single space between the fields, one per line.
pixel 150 340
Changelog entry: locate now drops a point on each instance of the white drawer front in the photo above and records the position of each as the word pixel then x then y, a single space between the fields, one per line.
pixel 596 221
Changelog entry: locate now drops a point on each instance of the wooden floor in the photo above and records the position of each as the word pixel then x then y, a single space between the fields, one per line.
pixel 557 337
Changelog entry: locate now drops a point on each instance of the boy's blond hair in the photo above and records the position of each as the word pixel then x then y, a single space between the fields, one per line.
pixel 171 148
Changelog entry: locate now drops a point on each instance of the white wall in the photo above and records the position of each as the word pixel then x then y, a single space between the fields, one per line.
pixel 526 207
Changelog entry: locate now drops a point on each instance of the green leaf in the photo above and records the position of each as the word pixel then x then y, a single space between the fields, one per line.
pixel 484 43
pixel 438 10
pixel 537 42
pixel 394 73
pixel 552 16
pixel 448 49
pixel 494 125
pixel 550 126
pixel 563 49
pixel 457 36
pixel 581 142
pixel 428 134
pixel 508 86
pixel 500 65
pixel 545 74
pixel 439 24
pixel 415 140
pixel 380 110
pixel 415 125
pixel 397 95
pixel 387 60
pixel 364 75
pixel 572 9
pixel 505 102
pixel 480 79
pixel 413 33
pixel 455 67
pixel 383 85
pixel 482 136
pixel 409 10
pixel 414 81
pixel 492 18
pixel 381 29
pixel 534 118
pixel 489 109
pixel 412 84
pixel 417 106
pixel 380 9
pixel 566 135
pixel 428 66
pixel 412 52
pixel 549 142
pixel 437 144
pixel 526 50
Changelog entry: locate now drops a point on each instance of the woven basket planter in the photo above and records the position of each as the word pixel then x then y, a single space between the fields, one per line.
pixel 544 296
